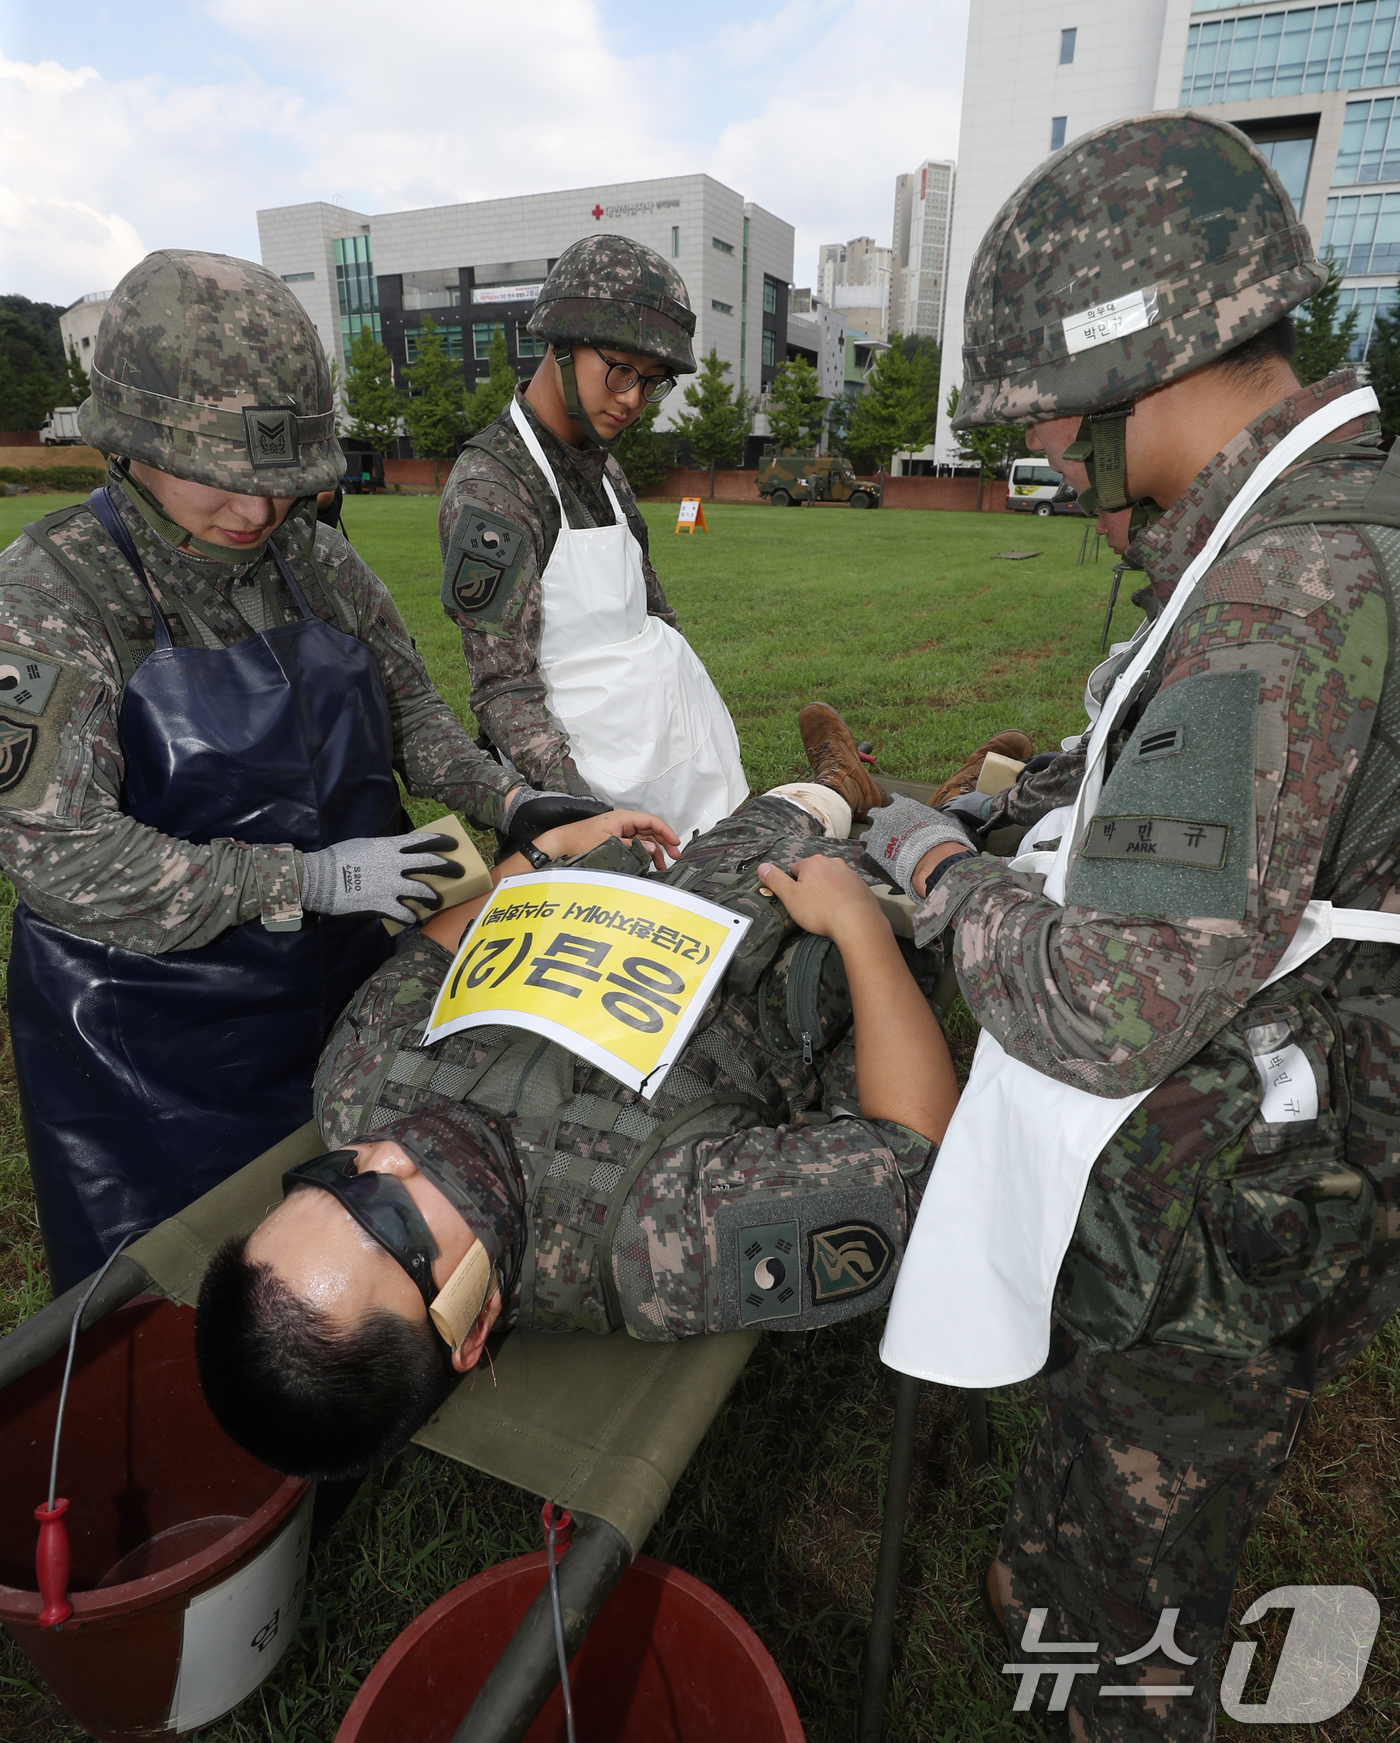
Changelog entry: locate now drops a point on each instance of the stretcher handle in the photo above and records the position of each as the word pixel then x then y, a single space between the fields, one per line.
pixel 524 1676
pixel 46 1333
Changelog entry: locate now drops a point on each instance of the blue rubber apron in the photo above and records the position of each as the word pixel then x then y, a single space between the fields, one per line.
pixel 145 1080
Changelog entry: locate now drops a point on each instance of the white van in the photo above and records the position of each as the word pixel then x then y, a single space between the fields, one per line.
pixel 1035 488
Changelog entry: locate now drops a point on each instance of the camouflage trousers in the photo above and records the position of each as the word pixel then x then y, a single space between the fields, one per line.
pixel 1148 1473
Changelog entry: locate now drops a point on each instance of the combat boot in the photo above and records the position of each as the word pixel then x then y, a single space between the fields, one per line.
pixel 1015 746
pixel 835 761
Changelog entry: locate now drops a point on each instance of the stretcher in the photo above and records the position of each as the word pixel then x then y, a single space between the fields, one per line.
pixel 601 1425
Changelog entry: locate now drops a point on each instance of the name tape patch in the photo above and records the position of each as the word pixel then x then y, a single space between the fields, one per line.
pixel 1114 319
pixel 272 436
pixel 1158 840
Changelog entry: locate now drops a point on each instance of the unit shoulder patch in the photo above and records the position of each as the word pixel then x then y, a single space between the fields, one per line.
pixel 16 752
pixel 484 555
pixel 847 1260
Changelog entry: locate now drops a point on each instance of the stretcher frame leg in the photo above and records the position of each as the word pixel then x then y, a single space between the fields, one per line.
pixel 525 1675
pixel 901 1471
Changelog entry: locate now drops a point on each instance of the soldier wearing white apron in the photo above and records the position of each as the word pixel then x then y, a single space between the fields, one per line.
pixel 580 678
pixel 1172 1185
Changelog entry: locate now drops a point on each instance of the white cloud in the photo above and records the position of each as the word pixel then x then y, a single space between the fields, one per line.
pixel 811 111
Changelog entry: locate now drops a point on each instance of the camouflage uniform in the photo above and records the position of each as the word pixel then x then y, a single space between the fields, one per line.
pixel 75 856
pixel 496 477
pixel 758 1139
pixel 1222 1262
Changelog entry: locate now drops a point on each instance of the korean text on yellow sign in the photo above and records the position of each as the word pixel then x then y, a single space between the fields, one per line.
pixel 617 969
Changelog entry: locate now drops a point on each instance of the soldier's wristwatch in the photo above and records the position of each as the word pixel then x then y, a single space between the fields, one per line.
pixel 536 858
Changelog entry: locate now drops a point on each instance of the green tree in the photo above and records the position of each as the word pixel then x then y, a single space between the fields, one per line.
pixel 893 414
pixel 1323 340
pixel 75 381
pixel 645 453
pixel 795 406
pixel 717 422
pixel 1383 365
pixel 991 446
pixel 433 414
pixel 373 402
pixel 494 394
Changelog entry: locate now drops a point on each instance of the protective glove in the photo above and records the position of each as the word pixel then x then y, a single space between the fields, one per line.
pixel 902 832
pixel 374 874
pixel 970 808
pixel 531 813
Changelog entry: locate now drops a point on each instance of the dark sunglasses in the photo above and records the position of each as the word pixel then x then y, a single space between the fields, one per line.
pixel 382 1206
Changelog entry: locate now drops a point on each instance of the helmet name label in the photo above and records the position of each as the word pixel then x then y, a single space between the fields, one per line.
pixel 1112 320
pixel 272 436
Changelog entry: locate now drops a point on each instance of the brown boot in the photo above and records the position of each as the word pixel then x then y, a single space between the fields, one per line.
pixel 835 760
pixel 991 1598
pixel 1013 745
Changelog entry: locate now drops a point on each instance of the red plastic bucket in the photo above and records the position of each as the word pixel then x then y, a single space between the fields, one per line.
pixel 188 1556
pixel 667 1661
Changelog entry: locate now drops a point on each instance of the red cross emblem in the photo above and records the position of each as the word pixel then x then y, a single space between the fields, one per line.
pixel 597 211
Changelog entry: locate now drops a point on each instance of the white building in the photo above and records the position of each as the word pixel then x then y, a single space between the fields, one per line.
pixel 1316 87
pixel 923 218
pixel 78 325
pixel 476 269
pixel 855 277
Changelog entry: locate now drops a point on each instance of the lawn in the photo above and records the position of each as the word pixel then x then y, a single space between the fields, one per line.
pixel 927 641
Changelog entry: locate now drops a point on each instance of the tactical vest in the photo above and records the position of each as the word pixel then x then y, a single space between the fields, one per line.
pixel 1204 1224
pixel 583 1142
pixel 536 486
pixel 105 579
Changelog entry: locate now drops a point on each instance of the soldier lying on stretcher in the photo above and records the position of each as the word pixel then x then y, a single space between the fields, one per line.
pixel 771 1179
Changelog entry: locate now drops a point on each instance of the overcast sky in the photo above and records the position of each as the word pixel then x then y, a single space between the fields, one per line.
pixel 148 124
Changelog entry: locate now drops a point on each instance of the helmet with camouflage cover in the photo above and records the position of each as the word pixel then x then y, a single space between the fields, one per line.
pixel 610 290
pixel 1137 253
pixel 208 368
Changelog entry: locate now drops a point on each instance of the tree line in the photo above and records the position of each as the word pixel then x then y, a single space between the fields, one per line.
pixel 35 376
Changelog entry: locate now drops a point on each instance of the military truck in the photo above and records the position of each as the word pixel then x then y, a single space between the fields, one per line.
pixel 788 478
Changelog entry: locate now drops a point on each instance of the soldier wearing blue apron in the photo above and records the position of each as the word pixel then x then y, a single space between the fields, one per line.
pixel 1171 1185
pixel 580 675
pixel 205 699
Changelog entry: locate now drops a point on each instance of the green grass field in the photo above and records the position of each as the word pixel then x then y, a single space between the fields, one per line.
pixel 927 642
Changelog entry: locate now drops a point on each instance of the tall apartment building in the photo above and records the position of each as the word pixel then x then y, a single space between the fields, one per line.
pixel 855 277
pixel 1315 86
pixel 923 218
pixel 475 269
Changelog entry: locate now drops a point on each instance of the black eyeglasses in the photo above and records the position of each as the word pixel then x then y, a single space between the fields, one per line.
pixel 622 378
pixel 382 1206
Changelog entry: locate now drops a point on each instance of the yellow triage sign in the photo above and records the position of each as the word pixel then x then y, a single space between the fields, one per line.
pixel 617 969
pixel 692 515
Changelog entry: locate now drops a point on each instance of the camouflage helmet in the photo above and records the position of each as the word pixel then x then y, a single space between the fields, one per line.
pixel 208 368
pixel 1136 254
pixel 609 290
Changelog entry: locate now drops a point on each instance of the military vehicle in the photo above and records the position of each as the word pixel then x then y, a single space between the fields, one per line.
pixel 788 478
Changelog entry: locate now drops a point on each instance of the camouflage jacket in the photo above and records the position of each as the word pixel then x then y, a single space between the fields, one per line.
pixel 1276 671
pixel 496 478
pixel 745 1097
pixel 74 854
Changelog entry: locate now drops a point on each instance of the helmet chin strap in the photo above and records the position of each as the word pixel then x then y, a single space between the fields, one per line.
pixel 591 438
pixel 1103 453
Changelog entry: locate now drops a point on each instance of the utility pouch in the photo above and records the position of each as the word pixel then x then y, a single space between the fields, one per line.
pixel 1224 1214
pixel 804 998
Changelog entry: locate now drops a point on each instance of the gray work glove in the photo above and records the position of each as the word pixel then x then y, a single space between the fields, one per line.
pixel 374 874
pixel 971 806
pixel 902 832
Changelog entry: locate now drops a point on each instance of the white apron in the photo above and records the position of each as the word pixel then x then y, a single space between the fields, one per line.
pixel 646 727
pixel 971 1305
